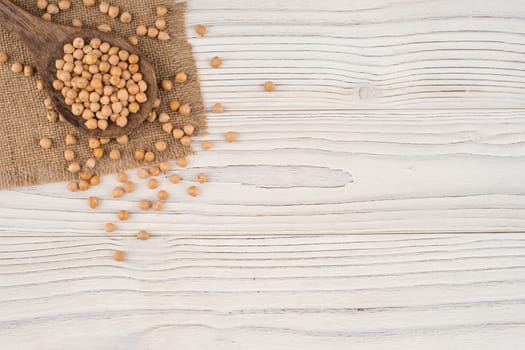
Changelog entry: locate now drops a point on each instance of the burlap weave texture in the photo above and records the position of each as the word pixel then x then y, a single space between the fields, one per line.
pixel 23 114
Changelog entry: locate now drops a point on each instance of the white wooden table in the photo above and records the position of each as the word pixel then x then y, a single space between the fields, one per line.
pixel 375 200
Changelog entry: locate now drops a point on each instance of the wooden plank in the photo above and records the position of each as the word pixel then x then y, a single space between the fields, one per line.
pixel 260 292
pixel 362 54
pixel 308 172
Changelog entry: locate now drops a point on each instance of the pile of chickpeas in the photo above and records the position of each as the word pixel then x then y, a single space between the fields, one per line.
pixel 101 83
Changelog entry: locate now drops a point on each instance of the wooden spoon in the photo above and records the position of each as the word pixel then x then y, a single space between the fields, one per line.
pixel 45 42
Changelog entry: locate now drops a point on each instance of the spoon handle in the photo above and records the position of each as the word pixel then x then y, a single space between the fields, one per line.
pixel 36 33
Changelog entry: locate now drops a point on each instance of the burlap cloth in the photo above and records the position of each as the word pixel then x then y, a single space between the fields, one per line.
pixel 23 119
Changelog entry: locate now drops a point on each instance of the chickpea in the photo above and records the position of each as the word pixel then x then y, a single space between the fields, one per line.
pixel 185 141
pixel 154 171
pixel 162 10
pixel 200 29
pixel 231 136
pixel 110 227
pixel 129 186
pixel 162 195
pixel 153 184
pixel 158 205
pixel 72 187
pixel 202 178
pixel 83 185
pixel 185 110
pixel 149 156
pixel 216 62
pixel 193 191
pixel 118 192
pixel 139 154
pixel 206 145
pixel 73 167
pixel 178 134
pixel 269 86
pixel 182 162
pixel 125 17
pixel 161 146
pixel 45 143
pixel 143 174
pixel 143 235
pixel 95 180
pixel 122 176
pixel 174 105
pixel 69 155
pixel 175 179
pixel 165 166
pixel 218 108
pixel 180 77
pixel 93 202
pixel 123 215
pixel 119 255
pixel 114 154
pixel 167 85
pixel 144 204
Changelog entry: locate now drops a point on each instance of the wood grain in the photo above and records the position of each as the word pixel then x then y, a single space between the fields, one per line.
pixel 264 292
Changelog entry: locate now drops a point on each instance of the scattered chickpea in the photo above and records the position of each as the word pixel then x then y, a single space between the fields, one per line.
pixel 52 116
pixel 95 180
pixel 164 117
pixel 123 215
pixel 174 105
pixel 141 30
pixel 152 116
pixel 93 202
pixel 125 17
pixel 98 152
pixel 133 40
pixel 40 85
pixel 182 162
pixel 216 62
pixel 162 195
pixel 163 36
pixel 72 187
pixel 178 134
pixel 193 191
pixel 185 110
pixel 114 154
pixel 143 235
pixel 269 86
pixel 17 67
pixel 153 32
pixel 110 227
pixel 167 127
pixel 52 9
pixel 145 204
pixel 71 139
pixel 74 167
pixel 69 155
pixel 162 10
pixel 46 17
pixel 46 143
pixel 83 185
pixel 91 163
pixel 188 129
pixel 185 141
pixel 154 171
pixel 165 166
pixel 231 136
pixel 129 186
pixel 161 146
pixel 122 140
pixel 200 29
pixel 28 71
pixel 139 154
pixel 86 175
pixel 118 192
pixel 41 4
pixel 113 11
pixel 167 85
pixel 122 176
pixel 156 103
pixel 149 156
pixel 104 27
pixel 175 179
pixel 202 178
pixel 89 3
pixel 143 174
pixel 3 57
pixel 153 184
pixel 218 108
pixel 103 7
pixel 64 5
pixel 160 23
pixel 157 205
pixel 76 23
pixel 119 255
pixel 206 145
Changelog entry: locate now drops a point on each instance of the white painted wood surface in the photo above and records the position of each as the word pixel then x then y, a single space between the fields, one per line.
pixel 389 117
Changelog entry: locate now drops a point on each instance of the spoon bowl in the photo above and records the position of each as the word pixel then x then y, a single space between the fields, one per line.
pixel 45 41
